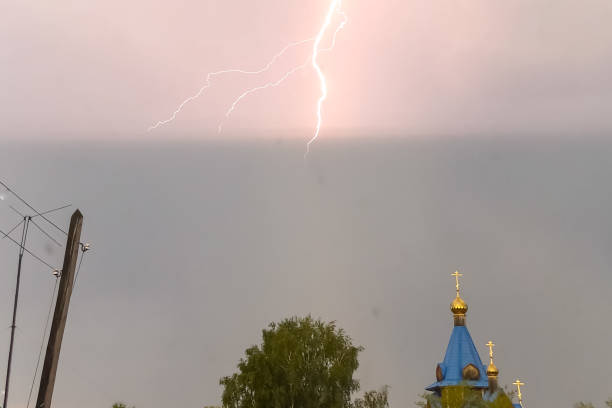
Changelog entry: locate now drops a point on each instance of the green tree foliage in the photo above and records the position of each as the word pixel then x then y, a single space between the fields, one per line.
pixel 428 400
pixel 301 363
pixel 463 396
pixel 374 399
pixel 503 400
pixel 120 405
pixel 511 393
pixel 583 404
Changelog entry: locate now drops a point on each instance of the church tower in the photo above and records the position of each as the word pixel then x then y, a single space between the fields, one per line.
pixel 462 364
pixel 461 375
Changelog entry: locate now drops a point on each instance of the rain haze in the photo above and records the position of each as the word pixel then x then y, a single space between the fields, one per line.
pixel 471 135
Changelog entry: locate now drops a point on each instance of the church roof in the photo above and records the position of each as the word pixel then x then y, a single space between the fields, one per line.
pixel 459 353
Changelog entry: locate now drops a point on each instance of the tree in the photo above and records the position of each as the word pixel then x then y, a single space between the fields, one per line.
pixel 301 363
pixel 428 399
pixel 374 399
pixel 609 402
pixel 582 404
pixel 464 396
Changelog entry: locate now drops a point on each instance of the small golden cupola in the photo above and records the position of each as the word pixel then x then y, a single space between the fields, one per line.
pixel 458 305
pixel 492 371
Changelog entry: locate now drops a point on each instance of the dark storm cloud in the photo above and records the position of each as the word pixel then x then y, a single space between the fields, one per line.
pixel 199 246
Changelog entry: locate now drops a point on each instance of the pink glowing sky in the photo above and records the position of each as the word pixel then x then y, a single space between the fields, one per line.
pixel 99 69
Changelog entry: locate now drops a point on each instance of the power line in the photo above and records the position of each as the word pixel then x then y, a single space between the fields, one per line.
pixel 16 210
pixel 53 210
pixel 23 249
pixel 42 213
pixel 42 344
pixel 32 208
pixel 12 229
pixel 45 232
pixel 30 218
pixel 84 249
pixel 39 259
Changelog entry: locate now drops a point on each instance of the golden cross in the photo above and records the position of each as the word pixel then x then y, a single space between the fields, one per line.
pixel 457 275
pixel 490 345
pixel 518 384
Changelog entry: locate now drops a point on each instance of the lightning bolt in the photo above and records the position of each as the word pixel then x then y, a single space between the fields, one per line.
pixel 259 88
pixel 292 71
pixel 211 75
pixel 334 7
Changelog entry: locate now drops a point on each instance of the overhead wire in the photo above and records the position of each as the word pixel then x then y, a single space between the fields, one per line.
pixel 16 210
pixel 45 232
pixel 25 221
pixel 42 343
pixel 84 249
pixel 12 229
pixel 39 259
pixel 29 218
pixel 53 210
pixel 32 208
pixel 42 213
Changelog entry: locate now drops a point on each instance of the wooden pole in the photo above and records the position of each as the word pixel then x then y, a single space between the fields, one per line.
pixel 47 379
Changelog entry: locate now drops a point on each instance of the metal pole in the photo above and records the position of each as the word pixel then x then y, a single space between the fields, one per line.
pixel 24 235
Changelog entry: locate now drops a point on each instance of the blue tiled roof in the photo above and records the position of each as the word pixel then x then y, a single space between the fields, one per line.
pixel 459 353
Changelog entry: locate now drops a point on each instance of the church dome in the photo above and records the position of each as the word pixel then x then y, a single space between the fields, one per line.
pixel 458 306
pixel 492 371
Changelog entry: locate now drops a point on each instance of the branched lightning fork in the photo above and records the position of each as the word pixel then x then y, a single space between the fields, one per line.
pixel 292 71
pixel 334 7
pixel 259 88
pixel 211 75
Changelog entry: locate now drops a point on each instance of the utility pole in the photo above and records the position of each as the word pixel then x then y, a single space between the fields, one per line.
pixel 47 379
pixel 24 236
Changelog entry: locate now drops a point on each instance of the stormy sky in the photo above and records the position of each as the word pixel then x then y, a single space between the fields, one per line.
pixel 464 134
pixel 198 245
pixel 468 66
